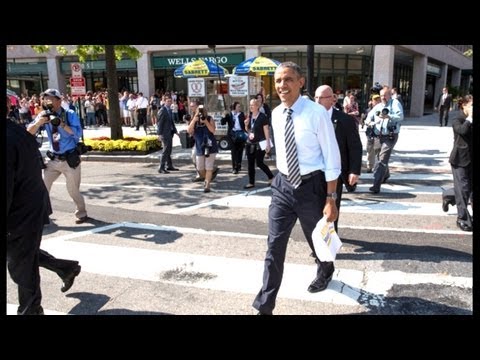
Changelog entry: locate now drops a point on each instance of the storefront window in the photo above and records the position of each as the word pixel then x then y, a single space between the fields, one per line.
pixel 326 62
pixel 354 63
pixel 339 62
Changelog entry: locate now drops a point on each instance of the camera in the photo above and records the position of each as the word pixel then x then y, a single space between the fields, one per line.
pixel 54 119
pixel 82 148
pixel 201 116
pixel 376 88
pixel 384 112
pixel 207 143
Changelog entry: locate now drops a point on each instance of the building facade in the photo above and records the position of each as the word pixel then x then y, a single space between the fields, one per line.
pixel 419 72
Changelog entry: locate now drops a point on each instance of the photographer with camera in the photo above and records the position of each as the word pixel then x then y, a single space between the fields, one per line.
pixel 202 128
pixel 385 118
pixel 64 132
pixel 373 143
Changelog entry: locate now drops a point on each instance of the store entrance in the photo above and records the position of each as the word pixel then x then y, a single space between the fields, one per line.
pixel 429 94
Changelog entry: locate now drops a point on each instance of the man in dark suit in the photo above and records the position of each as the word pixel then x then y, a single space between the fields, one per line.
pixel 27 212
pixel 461 162
pixel 348 140
pixel 165 130
pixel 28 209
pixel 235 121
pixel 443 105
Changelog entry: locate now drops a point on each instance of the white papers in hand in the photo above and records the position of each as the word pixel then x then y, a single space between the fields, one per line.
pixel 326 240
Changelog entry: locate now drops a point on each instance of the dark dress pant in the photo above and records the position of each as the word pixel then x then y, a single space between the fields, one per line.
pixel 462 186
pixel 22 263
pixel 305 203
pixel 61 267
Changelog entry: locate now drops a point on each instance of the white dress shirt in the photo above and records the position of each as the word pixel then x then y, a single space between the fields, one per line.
pixel 317 147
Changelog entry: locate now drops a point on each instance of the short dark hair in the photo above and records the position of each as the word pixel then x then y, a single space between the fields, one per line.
pixel 295 67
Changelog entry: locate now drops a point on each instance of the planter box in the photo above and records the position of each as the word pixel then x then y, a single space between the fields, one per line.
pixel 125 152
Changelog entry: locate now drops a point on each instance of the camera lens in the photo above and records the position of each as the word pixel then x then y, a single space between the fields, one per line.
pixel 55 121
pixel 385 111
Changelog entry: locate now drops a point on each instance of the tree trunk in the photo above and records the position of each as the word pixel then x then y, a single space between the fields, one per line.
pixel 112 87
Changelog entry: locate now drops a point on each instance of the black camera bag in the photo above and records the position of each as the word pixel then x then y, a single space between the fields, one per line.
pixel 73 159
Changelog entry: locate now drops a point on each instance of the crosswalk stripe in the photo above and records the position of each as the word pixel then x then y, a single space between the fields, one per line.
pixel 230 274
pixel 364 206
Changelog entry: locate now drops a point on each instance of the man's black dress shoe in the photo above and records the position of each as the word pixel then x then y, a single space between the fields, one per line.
pixel 463 226
pixel 374 190
pixel 320 283
pixel 32 311
pixel 172 169
pixel 70 278
pixel 163 171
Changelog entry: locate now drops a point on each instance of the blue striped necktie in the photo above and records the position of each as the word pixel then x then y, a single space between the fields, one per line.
pixel 291 150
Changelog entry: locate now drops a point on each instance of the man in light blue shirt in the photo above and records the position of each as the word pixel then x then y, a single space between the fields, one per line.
pixel 64 132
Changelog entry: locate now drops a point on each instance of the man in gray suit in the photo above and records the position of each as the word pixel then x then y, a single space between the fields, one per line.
pixel 443 105
pixel 165 130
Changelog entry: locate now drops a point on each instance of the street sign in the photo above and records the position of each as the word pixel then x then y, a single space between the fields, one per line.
pixel 77 86
pixel 76 70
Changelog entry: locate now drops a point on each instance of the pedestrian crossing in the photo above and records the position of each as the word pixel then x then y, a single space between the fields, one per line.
pixel 134 267
pixel 223 274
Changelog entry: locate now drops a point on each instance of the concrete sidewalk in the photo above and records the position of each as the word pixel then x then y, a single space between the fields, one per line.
pixel 414 131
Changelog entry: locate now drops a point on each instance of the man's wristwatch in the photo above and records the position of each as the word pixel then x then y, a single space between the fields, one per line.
pixel 332 195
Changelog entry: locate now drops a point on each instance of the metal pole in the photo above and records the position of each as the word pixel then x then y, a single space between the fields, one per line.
pixel 310 68
pixel 219 78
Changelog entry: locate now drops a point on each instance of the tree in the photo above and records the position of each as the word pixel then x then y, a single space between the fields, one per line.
pixel 112 53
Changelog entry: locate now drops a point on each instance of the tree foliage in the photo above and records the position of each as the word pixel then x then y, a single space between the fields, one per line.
pixel 89 52
pixel 112 53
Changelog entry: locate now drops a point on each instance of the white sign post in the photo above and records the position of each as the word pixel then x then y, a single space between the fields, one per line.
pixel 196 87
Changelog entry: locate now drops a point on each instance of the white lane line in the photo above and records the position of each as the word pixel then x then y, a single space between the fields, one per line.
pixel 245 198
pixel 210 272
pixel 361 206
pixel 403 230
